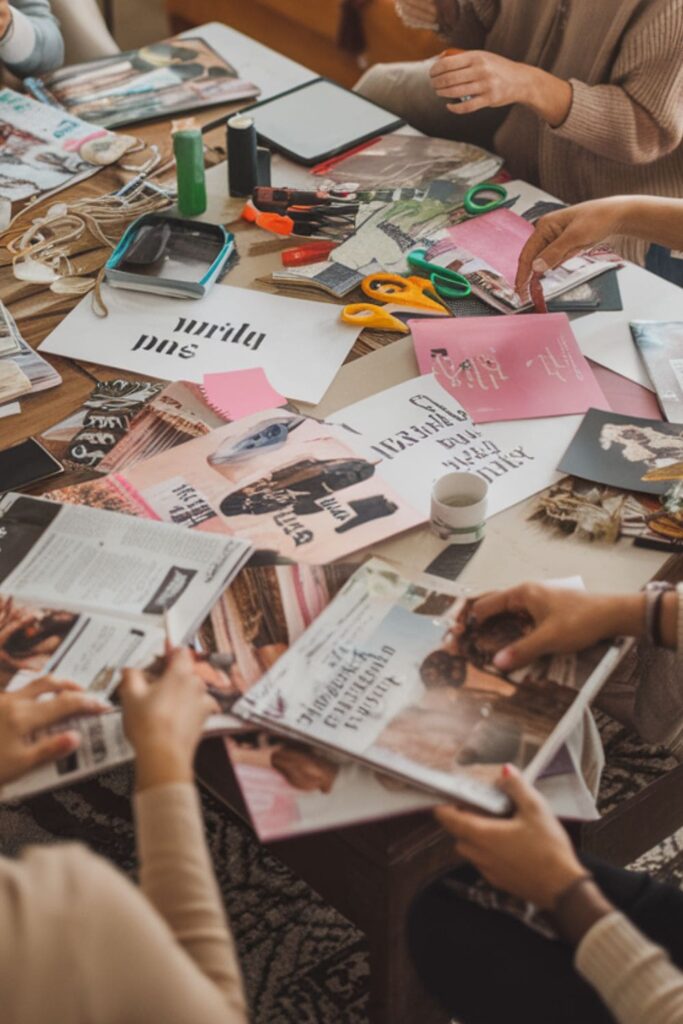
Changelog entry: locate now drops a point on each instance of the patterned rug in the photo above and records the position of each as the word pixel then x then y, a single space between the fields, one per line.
pixel 303 963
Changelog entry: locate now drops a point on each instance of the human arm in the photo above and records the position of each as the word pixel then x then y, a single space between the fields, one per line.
pixel 531 856
pixel 563 233
pixel 475 80
pixel 30 40
pixel 567 620
pixel 163 721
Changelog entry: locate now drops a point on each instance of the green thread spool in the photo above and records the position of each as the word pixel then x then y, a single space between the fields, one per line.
pixel 188 149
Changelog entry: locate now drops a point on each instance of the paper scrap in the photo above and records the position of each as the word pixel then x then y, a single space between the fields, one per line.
pixel 238 393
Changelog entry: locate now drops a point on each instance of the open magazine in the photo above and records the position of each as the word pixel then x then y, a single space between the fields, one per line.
pixel 183 73
pixel 85 593
pixel 382 678
pixel 43 149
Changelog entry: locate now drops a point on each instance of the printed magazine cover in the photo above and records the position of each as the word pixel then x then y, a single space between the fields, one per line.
pixel 183 73
pixel 85 593
pixel 394 675
pixel 626 451
pixel 43 149
pixel 660 344
pixel 509 368
pixel 284 483
pixel 40 374
pixel 289 787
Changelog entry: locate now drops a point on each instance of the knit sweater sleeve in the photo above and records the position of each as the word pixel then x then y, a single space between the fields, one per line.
pixel 176 876
pixel 634 977
pixel 465 23
pixel 637 117
pixel 34 43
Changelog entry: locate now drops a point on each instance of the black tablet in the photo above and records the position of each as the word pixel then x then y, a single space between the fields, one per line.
pixel 318 120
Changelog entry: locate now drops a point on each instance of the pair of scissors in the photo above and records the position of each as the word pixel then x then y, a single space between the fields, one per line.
pixel 449 284
pixel 474 206
pixel 393 289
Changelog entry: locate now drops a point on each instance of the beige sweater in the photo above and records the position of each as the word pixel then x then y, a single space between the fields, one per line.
pixel 624 59
pixel 80 945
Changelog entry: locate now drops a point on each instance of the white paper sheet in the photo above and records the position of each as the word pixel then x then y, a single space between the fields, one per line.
pixel 300 344
pixel 416 433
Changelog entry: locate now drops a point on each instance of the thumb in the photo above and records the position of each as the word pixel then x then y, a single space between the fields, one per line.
pixel 525 650
pixel 522 794
pixel 133 686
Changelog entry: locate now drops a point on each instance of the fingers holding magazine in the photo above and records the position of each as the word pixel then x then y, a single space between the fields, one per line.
pixel 163 719
pixel 28 720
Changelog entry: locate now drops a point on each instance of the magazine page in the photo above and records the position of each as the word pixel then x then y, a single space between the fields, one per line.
pixel 44 149
pixel 40 374
pixel 627 452
pixel 660 344
pixel 413 161
pixel 89 561
pixel 385 677
pixel 416 432
pixel 177 414
pixel 281 482
pixel 299 344
pixel 182 73
pixel 85 437
pixel 509 368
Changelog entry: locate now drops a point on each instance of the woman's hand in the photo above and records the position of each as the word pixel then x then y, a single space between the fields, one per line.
pixel 564 233
pixel 5 17
pixel 23 716
pixel 528 855
pixel 564 620
pixel 477 79
pixel 418 13
pixel 163 719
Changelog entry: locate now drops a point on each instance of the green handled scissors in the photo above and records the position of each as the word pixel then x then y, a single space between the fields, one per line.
pixel 449 284
pixel 474 207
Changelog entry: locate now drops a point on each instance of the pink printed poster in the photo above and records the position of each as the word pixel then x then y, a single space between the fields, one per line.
pixel 509 368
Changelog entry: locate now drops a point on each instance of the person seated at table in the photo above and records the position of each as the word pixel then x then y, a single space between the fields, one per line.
pixel 78 942
pixel 583 100
pixel 564 233
pixel 586 942
pixel 30 40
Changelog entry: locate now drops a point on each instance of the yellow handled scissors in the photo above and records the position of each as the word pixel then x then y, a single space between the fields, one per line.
pixel 367 314
pixel 402 291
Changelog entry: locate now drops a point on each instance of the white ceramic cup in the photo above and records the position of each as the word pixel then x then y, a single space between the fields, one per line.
pixel 459 507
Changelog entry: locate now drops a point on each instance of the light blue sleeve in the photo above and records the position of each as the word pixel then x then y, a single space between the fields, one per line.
pixel 48 52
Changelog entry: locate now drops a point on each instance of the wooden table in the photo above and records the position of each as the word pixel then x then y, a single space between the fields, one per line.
pixel 372 872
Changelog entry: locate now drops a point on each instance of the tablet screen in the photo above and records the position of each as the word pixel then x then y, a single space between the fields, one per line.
pixel 319 120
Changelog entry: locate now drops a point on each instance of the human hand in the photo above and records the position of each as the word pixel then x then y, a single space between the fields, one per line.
pixel 529 855
pixel 22 716
pixel 562 234
pixel 478 79
pixel 163 719
pixel 5 17
pixel 418 13
pixel 564 620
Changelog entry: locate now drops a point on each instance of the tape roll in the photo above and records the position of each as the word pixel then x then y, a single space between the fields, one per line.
pixel 459 502
pixel 242 155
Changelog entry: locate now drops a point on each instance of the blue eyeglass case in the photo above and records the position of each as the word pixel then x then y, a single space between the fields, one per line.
pixel 170 256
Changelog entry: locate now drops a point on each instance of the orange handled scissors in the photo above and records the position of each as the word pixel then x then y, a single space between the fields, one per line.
pixel 403 291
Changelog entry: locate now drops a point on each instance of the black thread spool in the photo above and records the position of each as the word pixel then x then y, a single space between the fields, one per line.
pixel 242 155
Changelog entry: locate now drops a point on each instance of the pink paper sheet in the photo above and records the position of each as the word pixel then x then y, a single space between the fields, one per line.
pixel 497 238
pixel 509 368
pixel 239 393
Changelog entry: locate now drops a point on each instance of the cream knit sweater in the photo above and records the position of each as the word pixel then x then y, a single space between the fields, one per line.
pixel 624 60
